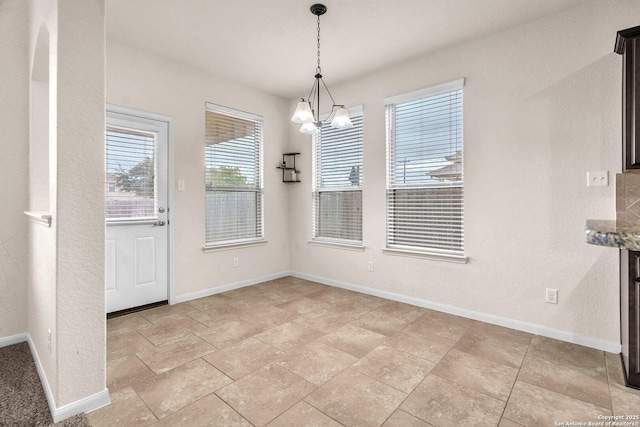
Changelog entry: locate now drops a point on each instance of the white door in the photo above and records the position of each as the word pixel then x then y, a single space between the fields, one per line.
pixel 137 215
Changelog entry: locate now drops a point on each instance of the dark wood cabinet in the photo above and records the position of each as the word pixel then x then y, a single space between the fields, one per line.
pixel 630 315
pixel 628 45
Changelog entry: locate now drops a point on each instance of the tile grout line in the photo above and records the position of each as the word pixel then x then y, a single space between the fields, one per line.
pixel 155 375
pixel 318 409
pixel 302 399
pixel 318 387
pixel 424 379
pixel 145 404
pixel 506 401
pixel 606 366
pixel 557 392
pixel 516 380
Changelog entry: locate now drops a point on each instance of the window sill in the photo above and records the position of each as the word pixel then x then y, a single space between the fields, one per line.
pixel 337 245
pixel 230 246
pixel 458 259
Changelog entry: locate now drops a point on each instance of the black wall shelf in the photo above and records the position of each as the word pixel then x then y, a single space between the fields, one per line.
pixel 289 164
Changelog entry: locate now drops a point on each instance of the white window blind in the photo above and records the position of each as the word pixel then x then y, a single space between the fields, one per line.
pixel 425 185
pixel 233 178
pixel 129 184
pixel 337 183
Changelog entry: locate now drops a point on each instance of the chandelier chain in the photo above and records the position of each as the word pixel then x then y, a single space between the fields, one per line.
pixel 318 70
pixel 308 111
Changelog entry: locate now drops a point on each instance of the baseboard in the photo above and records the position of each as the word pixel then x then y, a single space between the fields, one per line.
pixel 43 379
pixel 58 414
pixel 87 404
pixel 531 328
pixel 14 339
pixel 229 287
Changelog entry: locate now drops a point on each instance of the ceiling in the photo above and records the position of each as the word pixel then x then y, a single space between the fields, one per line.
pixel 271 44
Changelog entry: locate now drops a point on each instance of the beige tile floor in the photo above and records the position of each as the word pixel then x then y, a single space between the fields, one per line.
pixel 296 353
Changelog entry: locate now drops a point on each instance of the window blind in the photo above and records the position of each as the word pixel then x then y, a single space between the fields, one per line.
pixel 337 183
pixel 425 185
pixel 233 176
pixel 129 179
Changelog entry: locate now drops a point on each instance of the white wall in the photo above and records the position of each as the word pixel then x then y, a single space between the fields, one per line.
pixel 79 212
pixel 14 123
pixel 42 189
pixel 542 106
pixel 66 262
pixel 136 79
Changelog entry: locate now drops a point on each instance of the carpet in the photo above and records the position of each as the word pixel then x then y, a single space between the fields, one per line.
pixel 22 398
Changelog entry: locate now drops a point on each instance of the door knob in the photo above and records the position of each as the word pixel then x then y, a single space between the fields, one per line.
pixel 158 224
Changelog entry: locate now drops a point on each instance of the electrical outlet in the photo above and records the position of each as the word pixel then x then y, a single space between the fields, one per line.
pixel 370 266
pixel 551 296
pixel 236 262
pixel 49 340
pixel 598 179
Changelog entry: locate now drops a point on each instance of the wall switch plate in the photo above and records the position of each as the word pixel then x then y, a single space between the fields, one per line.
pixel 180 185
pixel 598 179
pixel 370 266
pixel 236 262
pixel 551 296
pixel 49 340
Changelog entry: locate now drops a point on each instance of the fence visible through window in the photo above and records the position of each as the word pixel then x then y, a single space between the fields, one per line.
pixel 233 176
pixel 425 170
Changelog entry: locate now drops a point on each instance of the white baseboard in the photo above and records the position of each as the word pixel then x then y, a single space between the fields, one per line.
pixel 43 379
pixel 531 328
pixel 229 287
pixel 86 404
pixel 14 339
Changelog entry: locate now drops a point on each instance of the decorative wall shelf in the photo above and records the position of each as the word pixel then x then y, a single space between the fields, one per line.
pixel 288 165
pixel 39 217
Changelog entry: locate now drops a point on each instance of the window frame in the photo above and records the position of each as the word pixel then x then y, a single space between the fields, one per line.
pixel 392 186
pixel 257 189
pixel 316 190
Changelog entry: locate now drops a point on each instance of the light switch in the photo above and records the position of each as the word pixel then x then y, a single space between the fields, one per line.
pixel 180 185
pixel 598 179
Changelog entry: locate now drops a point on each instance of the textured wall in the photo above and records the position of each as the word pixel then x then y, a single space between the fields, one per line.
pixel 80 199
pixel 136 79
pixel 66 261
pixel 42 189
pixel 14 145
pixel 542 106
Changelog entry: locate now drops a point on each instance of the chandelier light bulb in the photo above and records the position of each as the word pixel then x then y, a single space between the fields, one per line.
pixel 310 128
pixel 303 113
pixel 341 119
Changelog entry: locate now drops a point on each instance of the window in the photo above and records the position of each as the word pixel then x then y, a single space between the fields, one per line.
pixel 337 183
pixel 233 177
pixel 130 183
pixel 425 210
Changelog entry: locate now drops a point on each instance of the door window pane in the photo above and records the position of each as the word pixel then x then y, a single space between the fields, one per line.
pixel 130 172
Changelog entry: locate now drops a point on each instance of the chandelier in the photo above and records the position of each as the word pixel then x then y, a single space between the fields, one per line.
pixel 305 113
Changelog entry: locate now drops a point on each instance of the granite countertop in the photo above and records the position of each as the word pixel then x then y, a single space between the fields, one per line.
pixel 615 234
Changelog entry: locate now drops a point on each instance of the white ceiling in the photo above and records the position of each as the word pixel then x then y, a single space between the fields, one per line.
pixel 271 44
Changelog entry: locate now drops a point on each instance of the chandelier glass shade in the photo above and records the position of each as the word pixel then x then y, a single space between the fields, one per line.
pixel 305 112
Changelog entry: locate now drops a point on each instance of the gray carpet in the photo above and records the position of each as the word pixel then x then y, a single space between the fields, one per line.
pixel 22 399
